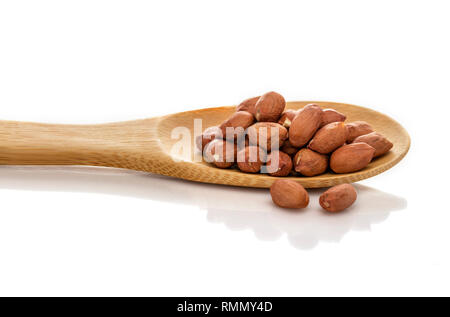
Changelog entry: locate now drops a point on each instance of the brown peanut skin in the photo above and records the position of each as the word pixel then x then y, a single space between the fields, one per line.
pixel 242 119
pixel 310 163
pixel 377 141
pixel 331 115
pixel 284 166
pixel 357 128
pixel 351 157
pixel 248 164
pixel 288 148
pixel 329 138
pixel 269 107
pixel 304 125
pixel 221 153
pixel 248 105
pixel 260 134
pixel 289 194
pixel 207 136
pixel 287 117
pixel 338 198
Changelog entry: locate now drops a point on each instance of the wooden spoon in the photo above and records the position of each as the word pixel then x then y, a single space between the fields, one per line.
pixel 145 145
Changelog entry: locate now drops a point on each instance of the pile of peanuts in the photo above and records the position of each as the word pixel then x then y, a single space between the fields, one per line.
pixel 261 137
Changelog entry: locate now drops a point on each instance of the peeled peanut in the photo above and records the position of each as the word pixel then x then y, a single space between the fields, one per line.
pixel 207 136
pixel 287 117
pixel 221 153
pixel 351 157
pixel 377 141
pixel 304 125
pixel 250 159
pixel 269 107
pixel 282 168
pixel 331 115
pixel 288 148
pixel 289 194
pixel 239 121
pixel 357 128
pixel 263 134
pixel 248 105
pixel 329 138
pixel 310 163
pixel 338 198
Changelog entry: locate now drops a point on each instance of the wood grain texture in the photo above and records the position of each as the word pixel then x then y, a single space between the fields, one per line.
pixel 145 145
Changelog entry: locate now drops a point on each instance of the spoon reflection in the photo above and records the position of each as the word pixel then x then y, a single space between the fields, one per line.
pixel 236 208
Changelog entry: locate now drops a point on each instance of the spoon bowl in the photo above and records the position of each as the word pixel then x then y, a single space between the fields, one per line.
pixel 147 145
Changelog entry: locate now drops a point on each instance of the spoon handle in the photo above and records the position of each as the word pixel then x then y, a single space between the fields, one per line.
pixel 121 144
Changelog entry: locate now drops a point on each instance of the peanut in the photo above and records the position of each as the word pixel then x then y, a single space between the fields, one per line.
pixel 357 128
pixel 377 141
pixel 288 148
pixel 248 105
pixel 287 117
pixel 331 115
pixel 310 163
pixel 289 194
pixel 250 159
pixel 261 134
pixel 304 125
pixel 338 198
pixel 351 157
pixel 239 121
pixel 269 107
pixel 329 138
pixel 284 166
pixel 221 153
pixel 207 136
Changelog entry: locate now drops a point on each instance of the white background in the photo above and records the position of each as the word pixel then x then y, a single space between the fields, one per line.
pixel 75 231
